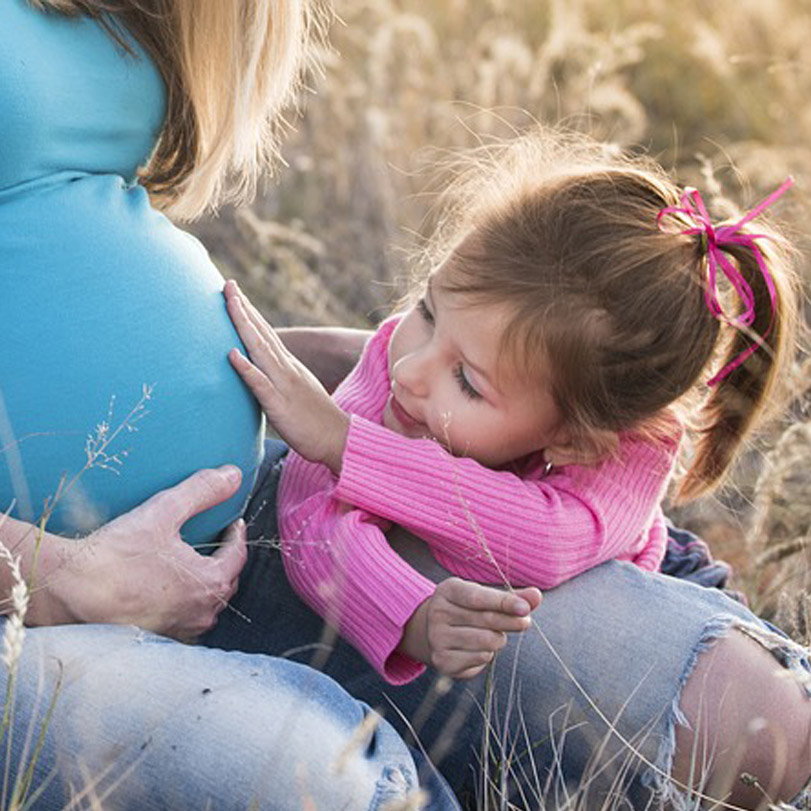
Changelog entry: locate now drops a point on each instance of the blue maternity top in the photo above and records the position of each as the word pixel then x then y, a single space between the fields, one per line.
pixel 114 380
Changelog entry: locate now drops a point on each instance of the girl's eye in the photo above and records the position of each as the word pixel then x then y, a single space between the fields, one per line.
pixel 464 383
pixel 426 314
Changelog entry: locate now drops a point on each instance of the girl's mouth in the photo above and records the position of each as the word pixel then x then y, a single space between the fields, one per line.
pixel 401 415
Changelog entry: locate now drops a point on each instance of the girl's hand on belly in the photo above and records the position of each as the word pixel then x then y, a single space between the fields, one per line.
pixel 137 570
pixel 295 402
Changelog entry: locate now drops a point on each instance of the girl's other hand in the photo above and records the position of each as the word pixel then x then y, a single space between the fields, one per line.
pixel 137 569
pixel 297 405
pixel 459 629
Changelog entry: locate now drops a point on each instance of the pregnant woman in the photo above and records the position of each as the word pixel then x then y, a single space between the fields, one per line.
pixel 115 385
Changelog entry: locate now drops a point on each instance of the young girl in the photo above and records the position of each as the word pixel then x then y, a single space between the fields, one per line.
pixel 523 415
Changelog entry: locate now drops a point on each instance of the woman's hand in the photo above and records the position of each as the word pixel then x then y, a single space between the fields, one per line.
pixel 137 569
pixel 297 405
pixel 459 629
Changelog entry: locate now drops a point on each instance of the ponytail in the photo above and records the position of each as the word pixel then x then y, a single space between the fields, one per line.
pixel 748 393
pixel 760 350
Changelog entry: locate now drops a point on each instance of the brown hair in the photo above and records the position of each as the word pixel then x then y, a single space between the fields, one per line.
pixel 567 234
pixel 230 68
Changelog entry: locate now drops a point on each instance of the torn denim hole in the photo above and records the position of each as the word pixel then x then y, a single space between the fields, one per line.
pixel 789 654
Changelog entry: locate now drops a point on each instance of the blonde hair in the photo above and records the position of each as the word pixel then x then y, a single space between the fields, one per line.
pixel 230 68
pixel 566 233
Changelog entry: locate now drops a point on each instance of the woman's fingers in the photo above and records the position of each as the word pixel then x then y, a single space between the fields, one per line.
pixel 173 507
pixel 232 554
pixel 149 577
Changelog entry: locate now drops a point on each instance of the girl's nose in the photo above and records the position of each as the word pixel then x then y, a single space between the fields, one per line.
pixel 411 373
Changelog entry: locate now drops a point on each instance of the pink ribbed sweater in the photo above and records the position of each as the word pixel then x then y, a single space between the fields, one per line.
pixel 492 526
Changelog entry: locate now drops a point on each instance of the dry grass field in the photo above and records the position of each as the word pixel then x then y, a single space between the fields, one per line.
pixel 718 92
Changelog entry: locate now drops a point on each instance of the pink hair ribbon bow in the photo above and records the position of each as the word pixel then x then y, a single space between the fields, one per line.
pixel 717 240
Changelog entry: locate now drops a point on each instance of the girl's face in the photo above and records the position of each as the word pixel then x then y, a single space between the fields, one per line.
pixel 448 382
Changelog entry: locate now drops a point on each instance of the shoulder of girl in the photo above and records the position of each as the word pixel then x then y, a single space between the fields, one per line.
pixel 379 342
pixel 388 324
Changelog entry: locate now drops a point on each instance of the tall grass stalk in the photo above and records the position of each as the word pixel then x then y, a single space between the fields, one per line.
pixel 18 790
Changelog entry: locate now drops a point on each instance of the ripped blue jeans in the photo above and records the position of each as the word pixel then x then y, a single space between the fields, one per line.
pixel 579 709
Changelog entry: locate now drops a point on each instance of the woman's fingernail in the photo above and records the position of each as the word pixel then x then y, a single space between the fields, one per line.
pixel 232 473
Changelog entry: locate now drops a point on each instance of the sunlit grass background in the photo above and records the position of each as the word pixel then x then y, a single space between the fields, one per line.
pixel 717 91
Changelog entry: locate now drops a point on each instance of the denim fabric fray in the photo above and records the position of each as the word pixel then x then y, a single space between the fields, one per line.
pixel 793 657
pixel 802 802
pixel 789 654
pixel 396 791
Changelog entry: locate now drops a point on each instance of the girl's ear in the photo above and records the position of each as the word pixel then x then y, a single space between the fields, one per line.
pixel 583 450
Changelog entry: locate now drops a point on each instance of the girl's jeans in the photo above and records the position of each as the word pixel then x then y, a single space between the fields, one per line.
pixel 580 708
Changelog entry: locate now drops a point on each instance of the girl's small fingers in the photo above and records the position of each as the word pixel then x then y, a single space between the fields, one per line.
pixel 470 673
pixel 476 597
pixel 456 663
pixel 473 596
pixel 261 369
pixel 255 379
pixel 258 336
pixel 251 336
pixel 260 323
pixel 530 595
pixel 234 295
pixel 246 368
pixel 489 620
pixel 473 640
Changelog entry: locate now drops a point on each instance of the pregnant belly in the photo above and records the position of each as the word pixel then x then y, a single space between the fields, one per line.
pixel 114 381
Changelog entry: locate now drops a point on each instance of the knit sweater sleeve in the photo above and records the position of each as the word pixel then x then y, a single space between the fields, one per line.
pixel 652 554
pixel 337 557
pixel 494 526
pixel 350 576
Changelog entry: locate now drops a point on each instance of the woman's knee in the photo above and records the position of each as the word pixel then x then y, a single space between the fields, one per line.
pixel 147 722
pixel 748 738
